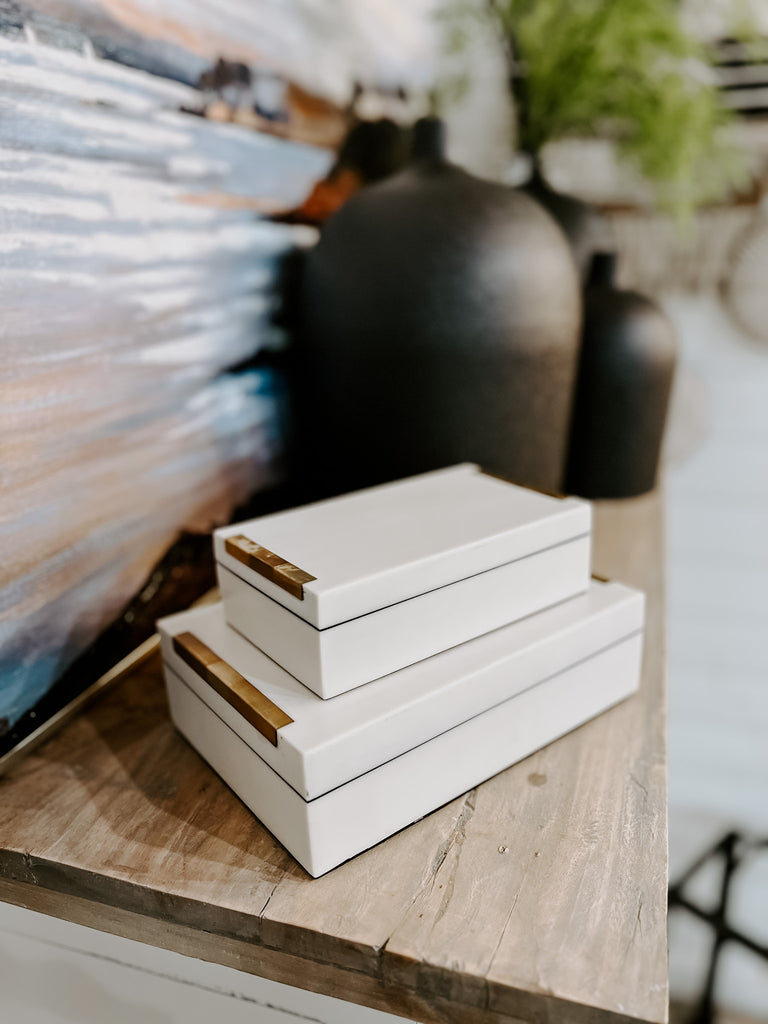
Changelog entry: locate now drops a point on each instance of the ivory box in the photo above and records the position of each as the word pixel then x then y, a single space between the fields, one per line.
pixel 350 589
pixel 331 778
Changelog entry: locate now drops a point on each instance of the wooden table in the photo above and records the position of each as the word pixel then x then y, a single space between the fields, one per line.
pixel 539 896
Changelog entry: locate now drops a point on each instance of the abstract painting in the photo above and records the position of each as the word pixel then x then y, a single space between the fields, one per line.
pixel 141 156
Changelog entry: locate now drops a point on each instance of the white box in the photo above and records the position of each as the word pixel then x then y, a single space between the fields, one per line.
pixel 331 778
pixel 397 573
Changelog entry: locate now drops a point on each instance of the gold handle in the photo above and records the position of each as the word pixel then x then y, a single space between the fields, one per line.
pixel 251 703
pixel 267 564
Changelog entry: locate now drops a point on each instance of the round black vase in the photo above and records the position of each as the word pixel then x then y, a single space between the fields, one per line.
pixel 588 231
pixel 626 370
pixel 440 324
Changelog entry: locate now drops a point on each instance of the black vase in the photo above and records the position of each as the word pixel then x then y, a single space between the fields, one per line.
pixel 626 370
pixel 440 324
pixel 587 230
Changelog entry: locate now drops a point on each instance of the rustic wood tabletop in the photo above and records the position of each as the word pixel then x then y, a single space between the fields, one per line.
pixel 538 896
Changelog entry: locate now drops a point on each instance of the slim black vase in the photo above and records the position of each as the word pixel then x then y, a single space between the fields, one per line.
pixel 440 324
pixel 626 369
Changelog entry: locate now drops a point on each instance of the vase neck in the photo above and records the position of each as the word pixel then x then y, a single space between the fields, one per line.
pixel 536 175
pixel 602 270
pixel 428 140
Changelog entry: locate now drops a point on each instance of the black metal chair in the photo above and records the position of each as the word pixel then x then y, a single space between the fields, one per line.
pixel 731 851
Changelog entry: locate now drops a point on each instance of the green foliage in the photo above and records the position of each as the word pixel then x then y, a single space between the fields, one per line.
pixel 622 69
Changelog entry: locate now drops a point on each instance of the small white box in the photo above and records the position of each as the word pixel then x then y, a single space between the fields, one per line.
pixel 347 590
pixel 331 778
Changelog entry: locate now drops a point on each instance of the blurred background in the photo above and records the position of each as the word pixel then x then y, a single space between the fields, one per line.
pixel 709 274
pixel 164 183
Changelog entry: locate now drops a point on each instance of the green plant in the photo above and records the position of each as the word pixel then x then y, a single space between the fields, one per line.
pixel 622 69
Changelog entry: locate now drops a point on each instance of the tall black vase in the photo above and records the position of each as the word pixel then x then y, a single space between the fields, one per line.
pixel 626 370
pixel 587 230
pixel 440 324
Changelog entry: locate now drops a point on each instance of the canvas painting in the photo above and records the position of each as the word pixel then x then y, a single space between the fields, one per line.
pixel 142 156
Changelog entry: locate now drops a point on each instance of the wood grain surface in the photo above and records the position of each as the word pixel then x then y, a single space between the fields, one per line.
pixel 538 896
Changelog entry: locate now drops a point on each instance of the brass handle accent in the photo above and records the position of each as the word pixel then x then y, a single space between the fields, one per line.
pixel 600 579
pixel 267 564
pixel 251 703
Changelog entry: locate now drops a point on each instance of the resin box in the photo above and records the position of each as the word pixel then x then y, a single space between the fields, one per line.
pixel 350 589
pixel 330 778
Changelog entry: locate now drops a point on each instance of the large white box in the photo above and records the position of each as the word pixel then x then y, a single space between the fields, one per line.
pixel 347 590
pixel 331 778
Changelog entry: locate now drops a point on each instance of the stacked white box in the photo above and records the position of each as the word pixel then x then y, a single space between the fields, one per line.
pixel 400 572
pixel 332 777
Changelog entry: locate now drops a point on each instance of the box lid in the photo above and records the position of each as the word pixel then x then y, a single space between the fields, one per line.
pixel 337 559
pixel 317 745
